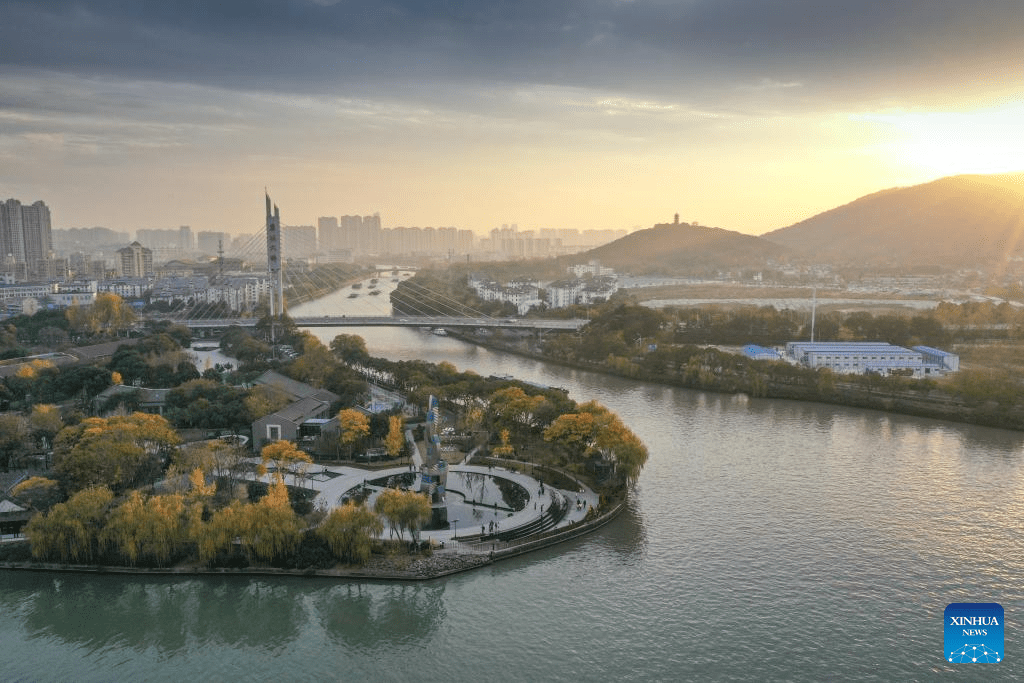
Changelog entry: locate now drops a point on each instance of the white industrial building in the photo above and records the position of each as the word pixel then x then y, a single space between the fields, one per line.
pixel 878 357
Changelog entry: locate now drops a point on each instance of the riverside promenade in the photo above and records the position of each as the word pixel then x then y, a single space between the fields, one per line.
pixel 477 509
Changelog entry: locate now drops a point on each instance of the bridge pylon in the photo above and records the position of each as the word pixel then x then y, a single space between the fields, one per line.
pixel 274 260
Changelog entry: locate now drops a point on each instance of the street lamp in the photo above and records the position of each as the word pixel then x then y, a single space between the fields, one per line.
pixel 455 523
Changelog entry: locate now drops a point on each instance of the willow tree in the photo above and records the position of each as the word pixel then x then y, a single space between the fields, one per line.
pixel 70 532
pixel 350 530
pixel 218 534
pixel 403 510
pixel 151 529
pixel 274 528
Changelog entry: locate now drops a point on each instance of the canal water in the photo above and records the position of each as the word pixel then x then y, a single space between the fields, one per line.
pixel 766 540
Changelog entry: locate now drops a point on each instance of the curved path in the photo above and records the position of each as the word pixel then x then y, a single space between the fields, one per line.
pixel 333 483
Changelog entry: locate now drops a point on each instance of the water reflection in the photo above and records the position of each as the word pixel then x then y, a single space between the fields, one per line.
pixel 165 614
pixel 369 617
pixel 170 615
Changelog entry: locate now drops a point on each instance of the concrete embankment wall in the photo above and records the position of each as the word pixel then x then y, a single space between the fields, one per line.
pixel 558 535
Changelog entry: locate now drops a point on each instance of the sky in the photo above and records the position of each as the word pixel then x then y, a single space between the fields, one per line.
pixel 748 115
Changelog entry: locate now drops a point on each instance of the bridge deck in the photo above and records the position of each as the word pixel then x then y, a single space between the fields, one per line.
pixel 399 321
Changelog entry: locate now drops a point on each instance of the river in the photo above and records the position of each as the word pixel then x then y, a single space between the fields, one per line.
pixel 766 540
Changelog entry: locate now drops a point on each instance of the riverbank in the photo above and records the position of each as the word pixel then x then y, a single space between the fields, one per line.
pixel 920 400
pixel 452 559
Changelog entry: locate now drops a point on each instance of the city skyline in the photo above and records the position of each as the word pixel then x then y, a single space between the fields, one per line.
pixel 606 115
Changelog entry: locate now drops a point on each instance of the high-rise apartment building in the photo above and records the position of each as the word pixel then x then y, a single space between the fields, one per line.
pixel 328 234
pixel 186 241
pixel 135 260
pixel 209 242
pixel 25 235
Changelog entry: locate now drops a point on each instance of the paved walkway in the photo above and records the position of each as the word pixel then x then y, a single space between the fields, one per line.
pixel 471 509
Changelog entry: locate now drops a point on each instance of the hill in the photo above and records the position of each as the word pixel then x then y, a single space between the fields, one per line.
pixel 967 220
pixel 671 247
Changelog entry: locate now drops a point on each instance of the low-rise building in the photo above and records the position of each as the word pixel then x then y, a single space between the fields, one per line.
pixel 865 357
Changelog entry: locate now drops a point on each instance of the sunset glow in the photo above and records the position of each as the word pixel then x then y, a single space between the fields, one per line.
pixel 747 116
pixel 949 143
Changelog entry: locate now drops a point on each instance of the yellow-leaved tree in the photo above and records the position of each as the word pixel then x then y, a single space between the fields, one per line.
pixel 504 449
pixel 120 451
pixel 285 457
pixel 403 510
pixel 350 530
pixel 274 528
pixel 395 440
pixel 149 530
pixel 70 531
pixel 595 429
pixel 353 426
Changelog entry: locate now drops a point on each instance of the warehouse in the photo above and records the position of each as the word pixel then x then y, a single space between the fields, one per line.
pixel 877 357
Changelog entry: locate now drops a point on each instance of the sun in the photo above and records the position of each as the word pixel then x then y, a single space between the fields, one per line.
pixel 942 143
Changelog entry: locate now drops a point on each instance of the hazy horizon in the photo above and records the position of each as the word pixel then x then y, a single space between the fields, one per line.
pixel 608 115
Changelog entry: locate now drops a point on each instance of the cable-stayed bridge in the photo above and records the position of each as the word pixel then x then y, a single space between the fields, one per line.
pixel 222 304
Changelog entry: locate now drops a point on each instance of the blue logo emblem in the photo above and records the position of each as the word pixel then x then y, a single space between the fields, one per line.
pixel 973 632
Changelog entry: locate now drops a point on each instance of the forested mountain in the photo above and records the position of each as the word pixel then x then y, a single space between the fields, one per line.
pixel 967 220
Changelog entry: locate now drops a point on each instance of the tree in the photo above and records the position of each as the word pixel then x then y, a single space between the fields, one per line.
pixel 120 451
pixel 263 400
pixel 207 404
pixel 151 529
pixel 219 533
pixel 315 363
pixel 349 531
pixel 38 493
pixel 353 426
pixel 395 440
pixel 505 449
pixel 595 429
pixel 350 348
pixel 108 314
pixel 13 438
pixel 274 528
pixel 44 423
pixel 71 530
pixel 403 510
pixel 285 457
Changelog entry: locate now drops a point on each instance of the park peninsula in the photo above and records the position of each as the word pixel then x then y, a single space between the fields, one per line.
pixel 325 461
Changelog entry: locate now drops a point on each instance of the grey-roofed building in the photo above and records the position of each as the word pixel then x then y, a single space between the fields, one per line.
pixel 286 423
pixel 136 399
pixel 308 403
pixel 294 388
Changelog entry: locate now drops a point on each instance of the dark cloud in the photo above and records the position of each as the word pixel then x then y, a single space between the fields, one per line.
pixel 869 48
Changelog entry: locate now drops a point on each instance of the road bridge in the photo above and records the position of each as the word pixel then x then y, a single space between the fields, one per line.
pixel 440 321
